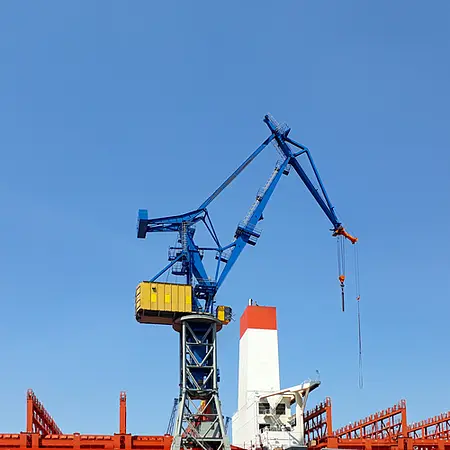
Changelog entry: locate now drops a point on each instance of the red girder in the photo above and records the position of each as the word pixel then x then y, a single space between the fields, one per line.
pixel 318 424
pixel 79 441
pixel 385 430
pixel 123 413
pixel 43 433
pixel 38 419
pixel 381 431
pixel 387 424
pixel 437 427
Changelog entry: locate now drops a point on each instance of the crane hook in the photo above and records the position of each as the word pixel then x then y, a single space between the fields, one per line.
pixel 341 280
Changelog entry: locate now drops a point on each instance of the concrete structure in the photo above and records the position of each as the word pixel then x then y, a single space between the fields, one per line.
pixel 264 419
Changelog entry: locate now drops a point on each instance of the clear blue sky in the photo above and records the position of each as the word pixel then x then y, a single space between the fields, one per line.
pixel 107 107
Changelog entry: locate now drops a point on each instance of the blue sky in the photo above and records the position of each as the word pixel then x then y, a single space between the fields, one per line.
pixel 107 107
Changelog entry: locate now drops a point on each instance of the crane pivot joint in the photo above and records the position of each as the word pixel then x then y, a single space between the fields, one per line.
pixel 340 231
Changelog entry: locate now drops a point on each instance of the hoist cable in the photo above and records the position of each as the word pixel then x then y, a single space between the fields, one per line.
pixel 358 297
pixel 360 368
pixel 341 266
pixel 339 255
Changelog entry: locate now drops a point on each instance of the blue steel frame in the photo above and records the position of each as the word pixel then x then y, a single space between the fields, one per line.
pixel 186 258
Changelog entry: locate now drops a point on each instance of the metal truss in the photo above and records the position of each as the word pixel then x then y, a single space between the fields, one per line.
pixel 437 427
pixel 318 422
pixel 38 419
pixel 389 423
pixel 429 434
pixel 200 423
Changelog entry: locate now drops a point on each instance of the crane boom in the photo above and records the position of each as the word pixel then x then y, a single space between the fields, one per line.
pixel 228 181
pixel 246 231
pixel 281 140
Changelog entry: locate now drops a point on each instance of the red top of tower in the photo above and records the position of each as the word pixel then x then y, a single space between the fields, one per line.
pixel 259 317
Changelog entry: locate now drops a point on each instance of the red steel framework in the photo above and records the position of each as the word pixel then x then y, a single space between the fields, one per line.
pixel 386 424
pixel 43 433
pixel 437 427
pixel 384 430
pixel 39 420
pixel 318 422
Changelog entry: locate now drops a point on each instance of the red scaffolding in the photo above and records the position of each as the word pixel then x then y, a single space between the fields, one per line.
pixel 437 427
pixel 38 419
pixel 384 430
pixel 385 424
pixel 318 422
pixel 43 433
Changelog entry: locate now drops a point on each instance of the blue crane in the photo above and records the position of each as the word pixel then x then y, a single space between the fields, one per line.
pixel 189 306
pixel 186 258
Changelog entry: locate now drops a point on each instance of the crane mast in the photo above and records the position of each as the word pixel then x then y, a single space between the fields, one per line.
pixel 189 306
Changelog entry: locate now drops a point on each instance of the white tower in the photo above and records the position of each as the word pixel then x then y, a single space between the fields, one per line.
pixel 263 419
pixel 258 353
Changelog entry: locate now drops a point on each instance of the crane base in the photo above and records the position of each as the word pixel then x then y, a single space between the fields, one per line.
pixel 199 422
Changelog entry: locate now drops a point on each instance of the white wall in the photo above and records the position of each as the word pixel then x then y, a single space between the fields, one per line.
pixel 258 363
pixel 259 374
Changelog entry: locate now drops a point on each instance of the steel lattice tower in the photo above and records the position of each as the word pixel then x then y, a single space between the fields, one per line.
pixel 199 420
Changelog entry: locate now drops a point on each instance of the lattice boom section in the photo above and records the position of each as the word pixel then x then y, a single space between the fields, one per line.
pixel 318 423
pixel 437 427
pixel 389 423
